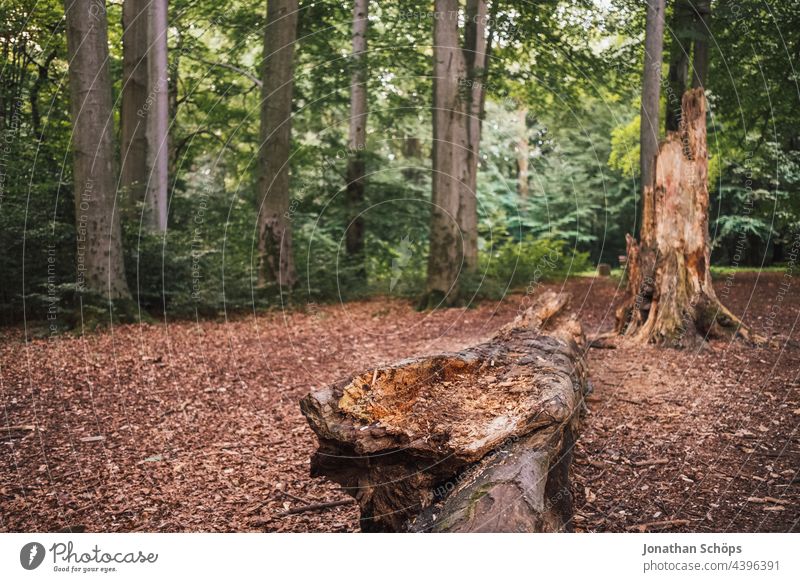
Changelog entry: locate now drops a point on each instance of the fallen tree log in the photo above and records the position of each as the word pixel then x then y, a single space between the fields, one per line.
pixel 478 440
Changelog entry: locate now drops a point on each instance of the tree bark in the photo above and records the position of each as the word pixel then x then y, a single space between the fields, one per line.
pixel 158 118
pixel 144 115
pixel 133 113
pixel 681 27
pixel 100 266
pixel 671 299
pixel 649 117
pixel 446 256
pixel 276 263
pixel 701 43
pixel 477 440
pixel 358 136
pixel 476 62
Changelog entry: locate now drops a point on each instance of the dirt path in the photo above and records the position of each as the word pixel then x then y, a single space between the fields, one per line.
pixel 195 426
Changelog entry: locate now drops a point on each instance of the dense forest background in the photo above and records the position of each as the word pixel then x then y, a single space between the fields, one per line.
pixel 557 188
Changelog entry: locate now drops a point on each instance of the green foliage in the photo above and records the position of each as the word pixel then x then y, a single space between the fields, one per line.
pixel 574 66
pixel 522 265
pixel 624 156
pixel 574 196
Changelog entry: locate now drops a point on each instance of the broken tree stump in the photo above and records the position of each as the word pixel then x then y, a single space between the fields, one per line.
pixel 478 440
pixel 670 298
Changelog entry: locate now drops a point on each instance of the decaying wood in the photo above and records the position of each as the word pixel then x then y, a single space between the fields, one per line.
pixel 477 440
pixel 670 296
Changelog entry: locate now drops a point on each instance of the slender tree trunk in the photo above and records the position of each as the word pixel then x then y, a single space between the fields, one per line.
pixel 158 119
pixel 134 113
pixel 445 259
pixel 649 118
pixel 276 263
pixel 99 258
pixel 476 62
pixel 358 136
pixel 523 153
pixel 701 43
pixel 145 109
pixel 681 29
pixel 678 305
pixel 172 97
pixel 640 265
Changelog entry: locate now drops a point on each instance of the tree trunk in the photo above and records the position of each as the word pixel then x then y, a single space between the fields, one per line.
pixel 701 43
pixel 158 118
pixel 144 114
pixel 100 266
pixel 523 153
pixel 649 117
pixel 477 440
pixel 446 256
pixel 172 98
pixel 671 299
pixel 476 63
pixel 134 113
pixel 681 27
pixel 276 263
pixel 358 136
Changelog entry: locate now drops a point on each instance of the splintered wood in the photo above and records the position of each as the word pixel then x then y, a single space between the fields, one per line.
pixel 477 440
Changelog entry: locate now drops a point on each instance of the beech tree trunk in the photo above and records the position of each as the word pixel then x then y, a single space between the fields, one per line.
pixel 476 62
pixel 651 87
pixel 478 440
pixel 446 256
pixel 158 118
pixel 358 135
pixel 276 263
pixel 144 114
pixel 133 113
pixel 671 299
pixel 100 267
pixel 459 101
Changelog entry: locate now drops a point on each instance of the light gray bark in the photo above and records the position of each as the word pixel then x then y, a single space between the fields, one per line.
pixel 476 61
pixel 276 263
pixel 99 257
pixel 158 118
pixel 649 119
pixel 358 131
pixel 449 155
pixel 145 109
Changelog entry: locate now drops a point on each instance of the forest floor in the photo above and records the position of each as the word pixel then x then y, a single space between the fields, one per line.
pixel 194 426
